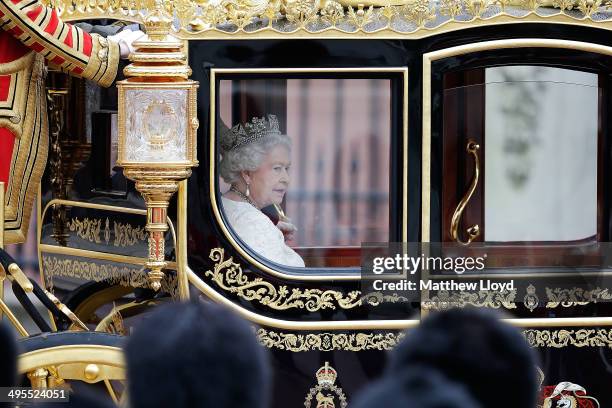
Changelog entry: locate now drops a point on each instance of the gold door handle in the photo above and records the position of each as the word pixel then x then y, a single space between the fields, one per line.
pixel 473 231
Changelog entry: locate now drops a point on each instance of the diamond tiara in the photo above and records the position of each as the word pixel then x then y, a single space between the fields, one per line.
pixel 241 135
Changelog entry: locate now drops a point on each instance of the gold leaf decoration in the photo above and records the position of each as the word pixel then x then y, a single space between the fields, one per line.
pixel 476 7
pixel 564 4
pixel 360 17
pixel 451 8
pixel 199 17
pixel 134 277
pixel 389 13
pixel 301 12
pixel 588 7
pixel 116 325
pixel 328 341
pixel 228 276
pixel 125 235
pixel 443 299
pixel 332 12
pixel 358 341
pixel 377 298
pixel 575 296
pixel 86 229
pixel 531 5
pixel 418 11
pixel 565 338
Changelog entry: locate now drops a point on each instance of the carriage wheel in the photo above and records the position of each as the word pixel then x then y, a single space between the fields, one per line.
pixel 54 359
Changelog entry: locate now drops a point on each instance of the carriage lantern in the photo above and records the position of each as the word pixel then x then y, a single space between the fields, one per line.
pixel 157 127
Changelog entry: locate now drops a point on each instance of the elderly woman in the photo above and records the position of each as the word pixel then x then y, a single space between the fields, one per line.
pixel 255 162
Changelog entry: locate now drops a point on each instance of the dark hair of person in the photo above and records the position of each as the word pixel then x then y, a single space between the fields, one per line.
pixel 195 354
pixel 81 398
pixel 474 348
pixel 8 357
pixel 420 387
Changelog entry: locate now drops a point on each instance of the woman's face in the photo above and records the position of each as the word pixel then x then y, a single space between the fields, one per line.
pixel 269 183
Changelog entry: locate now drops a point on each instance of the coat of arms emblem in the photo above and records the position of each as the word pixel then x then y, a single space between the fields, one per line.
pixel 326 393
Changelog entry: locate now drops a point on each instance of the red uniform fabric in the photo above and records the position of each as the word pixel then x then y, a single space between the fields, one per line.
pixel 32 33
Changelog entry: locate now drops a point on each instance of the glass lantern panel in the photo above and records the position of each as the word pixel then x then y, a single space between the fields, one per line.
pixel 156 125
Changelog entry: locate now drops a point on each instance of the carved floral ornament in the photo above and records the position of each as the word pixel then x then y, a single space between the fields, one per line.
pixel 250 17
pixel 228 276
pixel 359 341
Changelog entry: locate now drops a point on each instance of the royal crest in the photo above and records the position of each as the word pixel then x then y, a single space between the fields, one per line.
pixel 326 393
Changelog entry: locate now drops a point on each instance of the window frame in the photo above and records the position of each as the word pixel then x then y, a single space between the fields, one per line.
pixel 398 202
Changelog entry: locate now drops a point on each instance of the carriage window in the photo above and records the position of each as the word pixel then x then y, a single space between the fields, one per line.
pixel 541 150
pixel 523 153
pixel 304 166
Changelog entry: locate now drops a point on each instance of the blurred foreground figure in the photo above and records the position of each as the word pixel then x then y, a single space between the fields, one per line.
pixel 458 358
pixel 80 399
pixel 8 357
pixel 190 355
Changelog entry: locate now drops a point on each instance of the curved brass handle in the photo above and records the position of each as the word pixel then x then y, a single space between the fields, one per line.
pixel 474 231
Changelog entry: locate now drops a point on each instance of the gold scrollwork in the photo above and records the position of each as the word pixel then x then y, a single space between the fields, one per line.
pixel 255 17
pixel 228 276
pixel 575 296
pixel 386 341
pixel 86 229
pixel 376 298
pixel 125 235
pixel 565 338
pixel 485 298
pixel 328 341
pixel 128 276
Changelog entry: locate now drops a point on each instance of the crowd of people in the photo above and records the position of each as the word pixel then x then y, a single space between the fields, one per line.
pixel 197 354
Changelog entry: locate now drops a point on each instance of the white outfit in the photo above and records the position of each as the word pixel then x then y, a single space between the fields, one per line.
pixel 259 233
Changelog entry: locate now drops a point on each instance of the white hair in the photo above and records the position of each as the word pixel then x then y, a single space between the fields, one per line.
pixel 249 157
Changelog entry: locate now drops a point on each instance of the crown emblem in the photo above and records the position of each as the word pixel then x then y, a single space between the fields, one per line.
pixel 241 135
pixel 326 375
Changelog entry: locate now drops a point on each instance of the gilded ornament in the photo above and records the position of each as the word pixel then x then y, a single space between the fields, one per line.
pixel 389 13
pixel 125 235
pixel 444 299
pixel 564 4
pixel 228 276
pixel 271 12
pixel 377 298
pixel 134 277
pixel 328 341
pixel 531 5
pixel 419 12
pixel 451 8
pixel 575 297
pixel 476 7
pixel 197 17
pixel 531 300
pixel 302 12
pixel 324 391
pixel 332 13
pixel 360 17
pixel 565 338
pixel 588 7
pixel 86 229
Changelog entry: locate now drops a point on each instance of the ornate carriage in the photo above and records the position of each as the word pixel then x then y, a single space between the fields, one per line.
pixel 479 122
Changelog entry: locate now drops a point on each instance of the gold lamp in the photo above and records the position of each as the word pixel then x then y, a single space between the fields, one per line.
pixel 157 127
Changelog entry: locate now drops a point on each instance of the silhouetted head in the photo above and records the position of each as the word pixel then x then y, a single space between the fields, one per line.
pixel 81 398
pixel 420 387
pixel 190 355
pixel 474 348
pixel 8 357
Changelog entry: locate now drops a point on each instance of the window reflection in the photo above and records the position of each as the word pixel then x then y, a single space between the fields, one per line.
pixel 334 187
pixel 540 154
